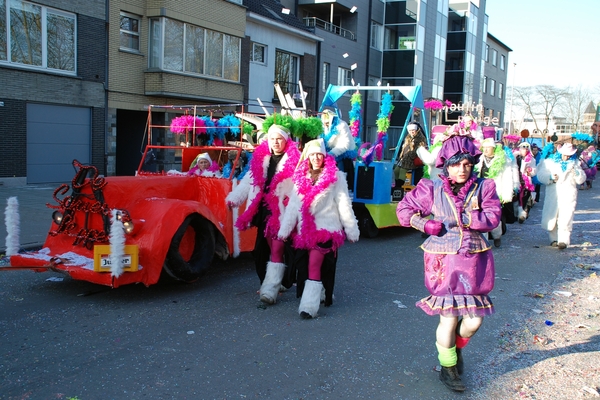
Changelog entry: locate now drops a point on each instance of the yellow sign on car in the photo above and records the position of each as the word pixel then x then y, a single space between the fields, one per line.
pixel 102 260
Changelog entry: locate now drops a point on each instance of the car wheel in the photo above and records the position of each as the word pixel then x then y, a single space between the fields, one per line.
pixel 192 249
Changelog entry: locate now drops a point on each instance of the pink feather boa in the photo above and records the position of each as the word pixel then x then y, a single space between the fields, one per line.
pixel 526 178
pixel 310 235
pixel 258 169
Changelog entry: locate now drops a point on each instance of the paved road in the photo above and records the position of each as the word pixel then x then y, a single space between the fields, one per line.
pixel 214 340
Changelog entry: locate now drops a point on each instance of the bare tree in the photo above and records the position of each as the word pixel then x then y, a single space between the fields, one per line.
pixel 575 104
pixel 541 101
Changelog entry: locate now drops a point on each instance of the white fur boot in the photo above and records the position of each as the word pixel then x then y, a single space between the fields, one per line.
pixel 270 286
pixel 311 299
pixel 522 215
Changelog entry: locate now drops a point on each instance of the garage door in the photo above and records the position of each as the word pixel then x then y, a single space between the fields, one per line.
pixel 55 136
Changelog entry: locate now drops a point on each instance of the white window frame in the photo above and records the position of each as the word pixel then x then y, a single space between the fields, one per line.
pixel 6 57
pixel 492 87
pixel 485 84
pixel 252 54
pixel 376 36
pixel 291 71
pixel 345 76
pixel 494 57
pixel 502 62
pixel 130 32
pixel 500 90
pixel 326 73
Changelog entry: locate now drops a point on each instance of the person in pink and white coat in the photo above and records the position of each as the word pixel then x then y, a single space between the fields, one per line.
pixel 318 219
pixel 266 189
pixel 527 168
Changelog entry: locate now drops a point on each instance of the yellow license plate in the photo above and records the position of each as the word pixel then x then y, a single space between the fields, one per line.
pixel 102 262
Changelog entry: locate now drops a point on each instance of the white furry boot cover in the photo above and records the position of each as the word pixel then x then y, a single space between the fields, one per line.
pixel 270 286
pixel 311 299
pixel 13 226
pixel 522 214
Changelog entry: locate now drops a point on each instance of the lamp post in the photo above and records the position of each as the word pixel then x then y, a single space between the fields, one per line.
pixel 512 95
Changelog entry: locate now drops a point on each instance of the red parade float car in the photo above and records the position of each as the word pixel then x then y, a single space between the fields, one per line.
pixel 132 229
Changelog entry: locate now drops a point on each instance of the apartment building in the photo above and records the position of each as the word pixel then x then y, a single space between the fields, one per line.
pixel 53 100
pixel 169 52
pixel 90 99
pixel 493 86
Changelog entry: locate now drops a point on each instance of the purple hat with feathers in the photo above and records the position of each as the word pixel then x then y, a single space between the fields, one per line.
pixel 489 132
pixel 455 145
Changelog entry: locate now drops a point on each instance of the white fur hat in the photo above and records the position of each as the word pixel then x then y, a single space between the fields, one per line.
pixel 525 144
pixel 312 147
pixel 315 146
pixel 280 130
pixel 204 156
pixel 489 142
pixel 567 149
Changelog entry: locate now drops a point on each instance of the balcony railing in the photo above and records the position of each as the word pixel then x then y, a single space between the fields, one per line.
pixel 313 22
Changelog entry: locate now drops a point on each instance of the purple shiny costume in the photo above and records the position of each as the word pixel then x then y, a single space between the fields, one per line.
pixel 459 266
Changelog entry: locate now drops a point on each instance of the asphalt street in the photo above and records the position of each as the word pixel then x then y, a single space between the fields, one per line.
pixel 214 340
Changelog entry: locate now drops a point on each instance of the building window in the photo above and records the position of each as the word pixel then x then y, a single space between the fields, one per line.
pixel 485 84
pixel 376 35
pixel 374 94
pixel 259 53
pixel 130 32
pixel 286 71
pixel 502 62
pixel 487 53
pixel 326 77
pixel 500 90
pixel 400 37
pixel 492 87
pixel 494 58
pixel 40 37
pixel 344 77
pixel 177 46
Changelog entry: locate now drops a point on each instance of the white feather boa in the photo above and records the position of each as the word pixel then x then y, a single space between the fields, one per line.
pixel 117 245
pixel 13 226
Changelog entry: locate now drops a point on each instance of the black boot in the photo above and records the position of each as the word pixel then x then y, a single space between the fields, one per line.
pixel 460 364
pixel 450 377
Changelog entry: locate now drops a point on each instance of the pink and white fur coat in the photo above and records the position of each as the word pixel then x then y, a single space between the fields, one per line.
pixel 320 212
pixel 251 186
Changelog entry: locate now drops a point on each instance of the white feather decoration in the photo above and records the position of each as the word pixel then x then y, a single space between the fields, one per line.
pixel 13 226
pixel 236 231
pixel 117 245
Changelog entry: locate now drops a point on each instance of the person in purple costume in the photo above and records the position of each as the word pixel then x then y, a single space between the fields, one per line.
pixel 459 265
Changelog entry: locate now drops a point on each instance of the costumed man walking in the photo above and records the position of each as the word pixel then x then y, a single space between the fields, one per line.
pixel 408 159
pixel 429 155
pixel 267 187
pixel 339 143
pixel 318 218
pixel 562 174
pixel 526 164
pixel 497 165
pixel 537 154
pixel 459 266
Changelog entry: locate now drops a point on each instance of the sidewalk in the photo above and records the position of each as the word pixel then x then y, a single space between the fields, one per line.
pixel 550 345
pixel 35 217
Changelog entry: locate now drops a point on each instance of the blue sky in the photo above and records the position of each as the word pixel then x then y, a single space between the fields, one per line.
pixel 553 42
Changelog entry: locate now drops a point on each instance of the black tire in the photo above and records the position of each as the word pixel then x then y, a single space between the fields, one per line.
pixel 190 270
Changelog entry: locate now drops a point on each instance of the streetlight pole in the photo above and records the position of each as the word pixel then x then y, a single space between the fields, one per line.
pixel 512 95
